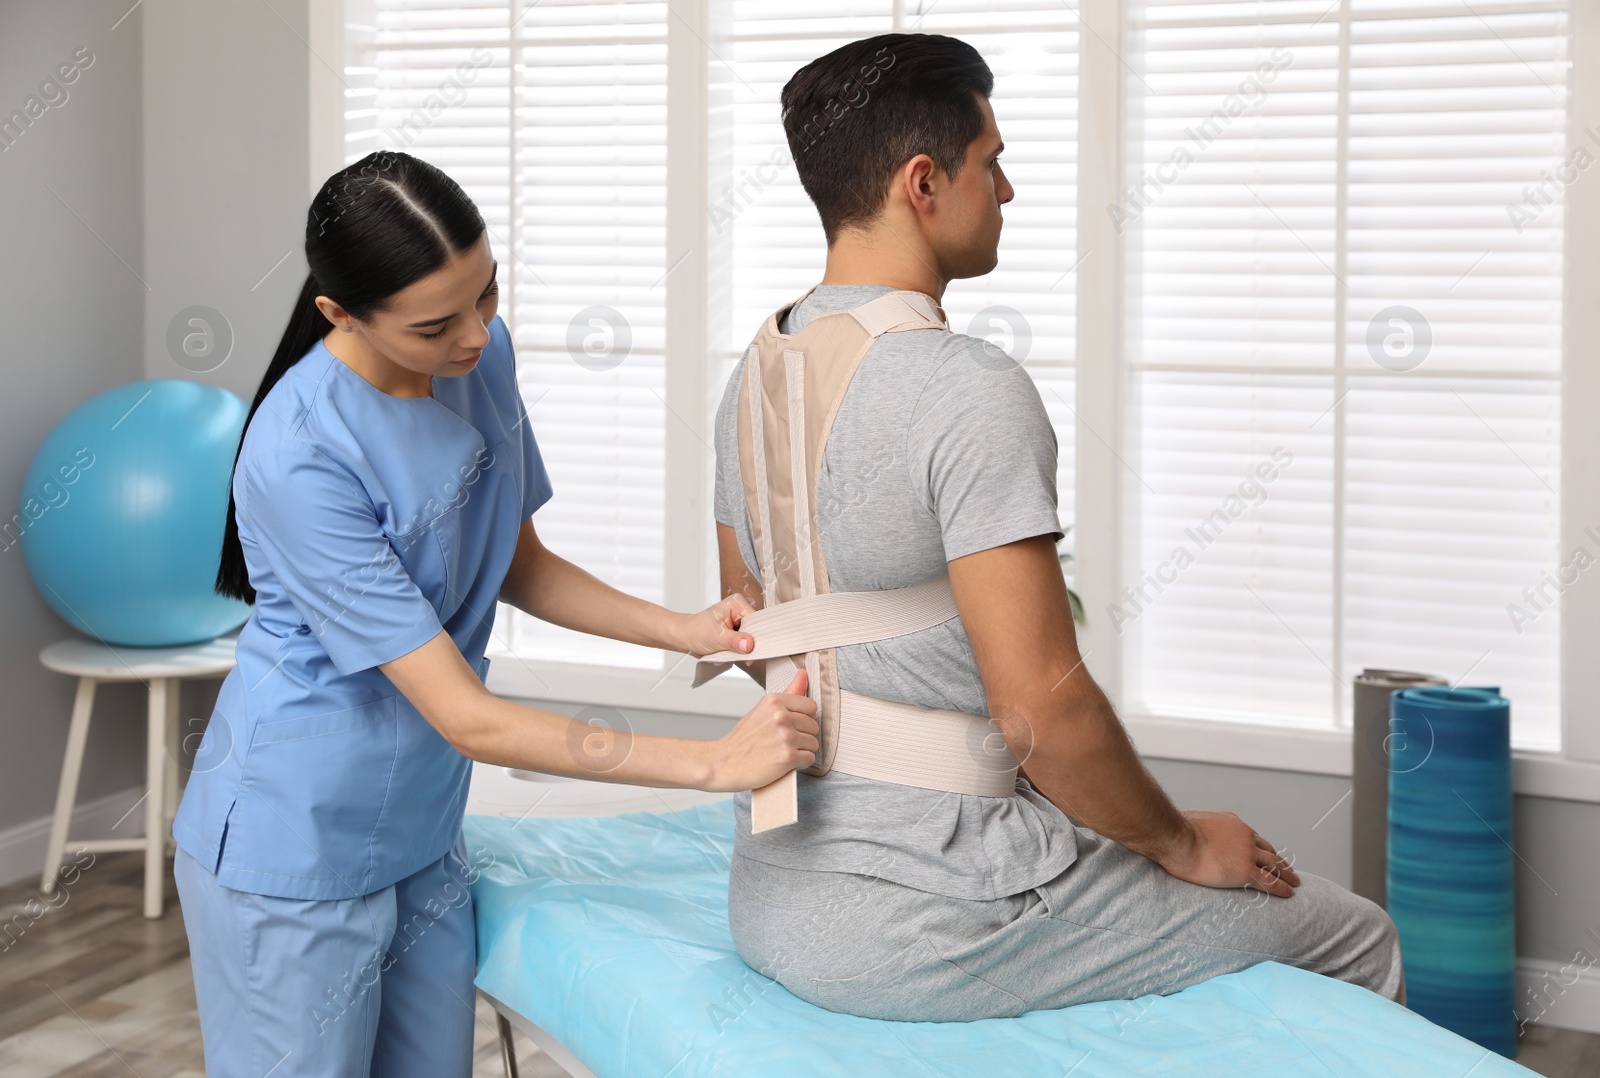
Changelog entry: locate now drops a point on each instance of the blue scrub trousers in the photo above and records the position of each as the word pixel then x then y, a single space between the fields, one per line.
pixel 380 985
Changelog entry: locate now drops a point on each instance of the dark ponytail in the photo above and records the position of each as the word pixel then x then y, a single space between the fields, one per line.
pixel 375 227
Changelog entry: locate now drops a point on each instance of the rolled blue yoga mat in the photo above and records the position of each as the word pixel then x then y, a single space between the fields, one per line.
pixel 1450 871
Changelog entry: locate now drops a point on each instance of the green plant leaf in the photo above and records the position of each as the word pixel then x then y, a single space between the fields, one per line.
pixel 1066 559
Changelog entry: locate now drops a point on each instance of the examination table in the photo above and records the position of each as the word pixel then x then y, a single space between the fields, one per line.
pixel 605 939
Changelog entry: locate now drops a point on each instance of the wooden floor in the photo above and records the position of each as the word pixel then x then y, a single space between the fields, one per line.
pixel 90 988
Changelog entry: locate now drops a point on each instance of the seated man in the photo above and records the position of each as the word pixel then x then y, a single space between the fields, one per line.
pixel 899 902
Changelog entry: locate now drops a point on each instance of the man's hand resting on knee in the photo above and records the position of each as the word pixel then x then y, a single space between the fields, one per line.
pixel 1227 853
pixel 1013 602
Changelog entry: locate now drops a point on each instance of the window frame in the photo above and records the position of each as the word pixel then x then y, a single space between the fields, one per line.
pixel 1105 550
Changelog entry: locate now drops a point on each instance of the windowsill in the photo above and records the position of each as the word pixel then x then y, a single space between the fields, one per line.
pixel 1211 741
pixel 1327 752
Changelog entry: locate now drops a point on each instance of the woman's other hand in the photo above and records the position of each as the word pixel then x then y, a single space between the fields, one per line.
pixel 778 736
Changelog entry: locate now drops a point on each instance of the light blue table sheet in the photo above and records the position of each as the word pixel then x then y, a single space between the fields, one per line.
pixel 611 934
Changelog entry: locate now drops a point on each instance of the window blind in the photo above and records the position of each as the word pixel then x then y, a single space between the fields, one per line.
pixel 556 127
pixel 1343 245
pixel 1344 256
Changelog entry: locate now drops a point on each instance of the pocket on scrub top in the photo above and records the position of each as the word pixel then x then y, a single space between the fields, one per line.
pixel 447 537
pixel 363 717
pixel 422 554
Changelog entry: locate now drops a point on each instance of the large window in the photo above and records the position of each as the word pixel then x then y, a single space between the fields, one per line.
pixel 1290 278
pixel 1345 352
pixel 555 119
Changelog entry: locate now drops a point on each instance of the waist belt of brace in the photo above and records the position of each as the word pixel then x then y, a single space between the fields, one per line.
pixel 793 386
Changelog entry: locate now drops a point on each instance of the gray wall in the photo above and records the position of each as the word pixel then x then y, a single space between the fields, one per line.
pixel 226 176
pixel 181 152
pixel 72 305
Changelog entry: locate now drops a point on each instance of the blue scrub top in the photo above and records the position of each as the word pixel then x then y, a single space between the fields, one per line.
pixel 369 522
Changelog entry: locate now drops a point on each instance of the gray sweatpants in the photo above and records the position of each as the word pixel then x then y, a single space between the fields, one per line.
pixel 1114 925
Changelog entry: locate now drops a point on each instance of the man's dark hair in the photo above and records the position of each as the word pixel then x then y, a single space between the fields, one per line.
pixel 854 116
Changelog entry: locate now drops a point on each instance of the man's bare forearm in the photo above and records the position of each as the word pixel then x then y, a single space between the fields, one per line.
pixel 1013 601
pixel 1079 756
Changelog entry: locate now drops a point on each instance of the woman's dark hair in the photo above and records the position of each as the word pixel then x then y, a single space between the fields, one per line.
pixel 854 116
pixel 375 227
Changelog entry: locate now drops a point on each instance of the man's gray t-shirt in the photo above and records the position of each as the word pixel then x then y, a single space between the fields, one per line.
pixel 941 448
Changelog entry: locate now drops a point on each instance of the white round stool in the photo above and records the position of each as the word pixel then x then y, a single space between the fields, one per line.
pixel 162 670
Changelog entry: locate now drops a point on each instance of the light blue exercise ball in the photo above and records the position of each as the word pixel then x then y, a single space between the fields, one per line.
pixel 122 513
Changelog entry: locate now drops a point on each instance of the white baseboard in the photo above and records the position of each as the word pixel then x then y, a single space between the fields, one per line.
pixel 1561 994
pixel 22 847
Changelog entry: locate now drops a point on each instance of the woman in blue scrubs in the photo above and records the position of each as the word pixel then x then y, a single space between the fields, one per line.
pixel 381 501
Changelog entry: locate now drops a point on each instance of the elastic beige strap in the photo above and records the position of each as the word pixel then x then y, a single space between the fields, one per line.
pixel 758 446
pixel 777 804
pixel 794 370
pixel 837 620
pixel 894 309
pixel 929 748
pixel 924 747
pixel 878 739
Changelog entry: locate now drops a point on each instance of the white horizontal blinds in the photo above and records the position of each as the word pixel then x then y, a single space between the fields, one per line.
pixel 558 133
pixel 1230 217
pixel 1452 468
pixel 1315 196
pixel 1026 305
pixel 1446 528
pixel 430 78
pixel 590 175
pixel 1228 612
pixel 764 228
pixel 359 77
pixel 765 232
pixel 1229 205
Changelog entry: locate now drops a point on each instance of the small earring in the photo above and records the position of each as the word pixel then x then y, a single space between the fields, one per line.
pixel 348 329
